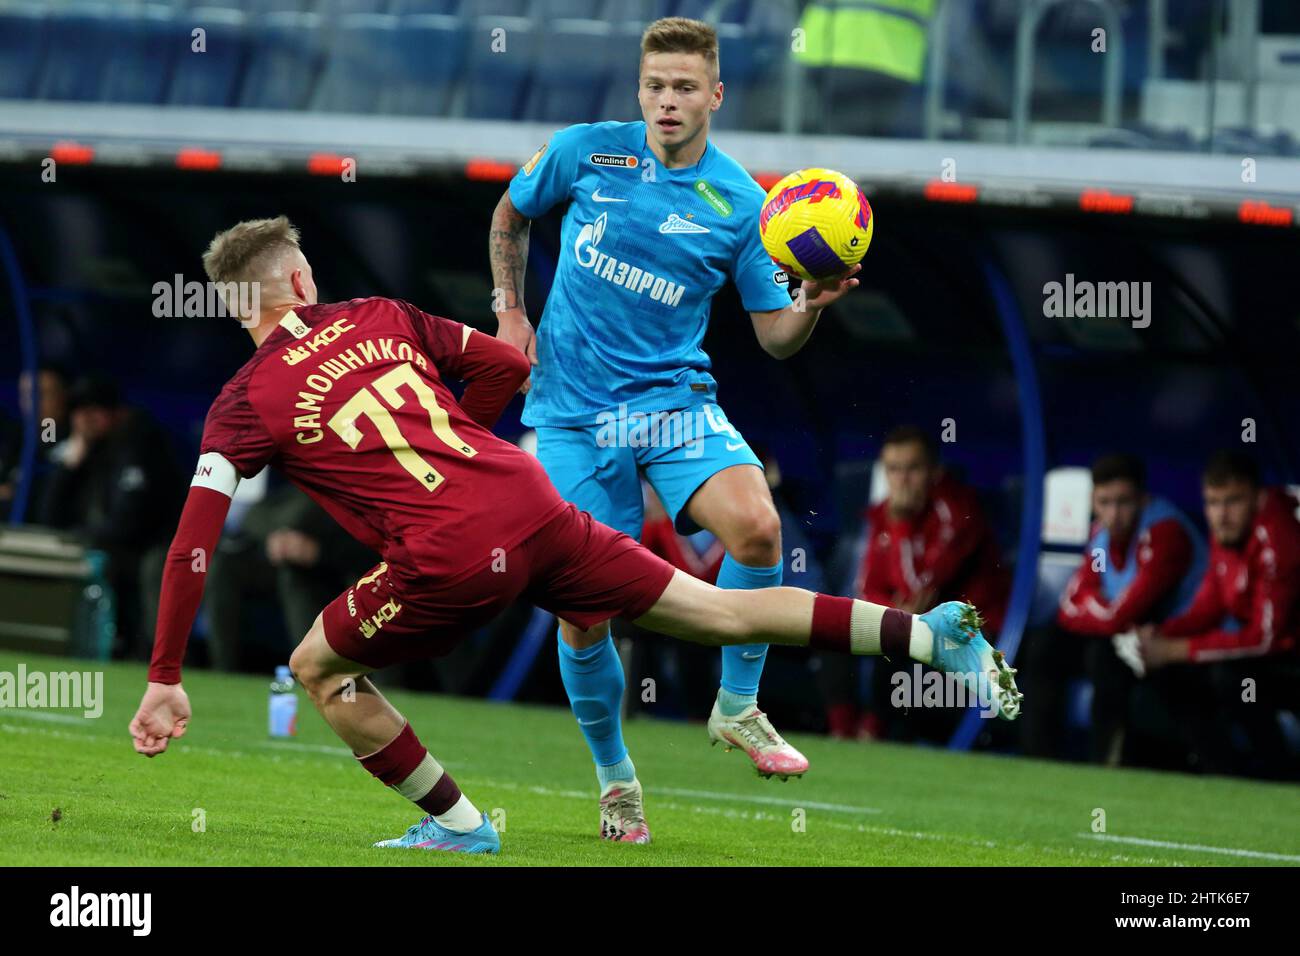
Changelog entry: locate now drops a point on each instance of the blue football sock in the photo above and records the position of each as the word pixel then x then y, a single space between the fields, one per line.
pixel 732 704
pixel 593 679
pixel 742 664
pixel 623 770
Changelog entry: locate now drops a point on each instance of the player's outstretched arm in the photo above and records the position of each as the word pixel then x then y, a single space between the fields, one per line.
pixel 783 332
pixel 508 253
pixel 165 711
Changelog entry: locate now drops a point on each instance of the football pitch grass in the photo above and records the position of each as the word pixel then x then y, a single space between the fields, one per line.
pixel 305 801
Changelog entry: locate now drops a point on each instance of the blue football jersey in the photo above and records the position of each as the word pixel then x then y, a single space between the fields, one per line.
pixel 643 251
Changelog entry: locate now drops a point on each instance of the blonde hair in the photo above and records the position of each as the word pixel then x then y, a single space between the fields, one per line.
pixel 682 35
pixel 248 251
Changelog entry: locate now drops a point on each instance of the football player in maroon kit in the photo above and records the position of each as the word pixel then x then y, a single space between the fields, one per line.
pixel 348 401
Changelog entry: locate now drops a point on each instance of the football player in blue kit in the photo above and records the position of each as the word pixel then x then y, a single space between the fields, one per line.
pixel 658 220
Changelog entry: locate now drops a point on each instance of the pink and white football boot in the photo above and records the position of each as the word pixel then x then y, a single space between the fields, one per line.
pixel 622 813
pixel 753 733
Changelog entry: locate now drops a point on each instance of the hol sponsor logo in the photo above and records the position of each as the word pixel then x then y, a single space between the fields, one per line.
pixel 38 690
pixel 325 336
pixel 386 612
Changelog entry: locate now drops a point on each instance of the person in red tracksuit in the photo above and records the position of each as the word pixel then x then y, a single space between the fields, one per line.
pixel 1230 657
pixel 927 541
pixel 1142 563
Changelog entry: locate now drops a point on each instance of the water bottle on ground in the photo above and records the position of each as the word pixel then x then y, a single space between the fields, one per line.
pixel 283 707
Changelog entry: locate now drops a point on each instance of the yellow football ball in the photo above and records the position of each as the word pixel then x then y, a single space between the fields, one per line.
pixel 816 223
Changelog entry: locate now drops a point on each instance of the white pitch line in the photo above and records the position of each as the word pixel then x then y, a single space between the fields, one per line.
pixel 299 745
pixel 48 717
pixel 185 744
pixel 1195 847
pixel 768 801
pixel 653 792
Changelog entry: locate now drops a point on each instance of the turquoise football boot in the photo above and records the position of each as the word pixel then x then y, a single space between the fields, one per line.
pixel 960 648
pixel 428 835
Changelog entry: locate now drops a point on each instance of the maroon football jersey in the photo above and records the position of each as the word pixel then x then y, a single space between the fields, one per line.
pixel 347 399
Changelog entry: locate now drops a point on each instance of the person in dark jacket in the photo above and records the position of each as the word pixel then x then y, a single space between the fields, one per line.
pixel 114 484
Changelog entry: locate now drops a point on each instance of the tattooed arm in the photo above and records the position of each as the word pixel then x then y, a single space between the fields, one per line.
pixel 508 253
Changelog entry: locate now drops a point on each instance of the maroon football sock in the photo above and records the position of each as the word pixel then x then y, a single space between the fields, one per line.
pixel 832 628
pixel 405 765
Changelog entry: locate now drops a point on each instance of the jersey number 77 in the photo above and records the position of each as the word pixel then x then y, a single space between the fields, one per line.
pixel 366 402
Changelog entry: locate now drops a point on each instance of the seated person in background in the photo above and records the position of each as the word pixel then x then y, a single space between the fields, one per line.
pixel 115 483
pixel 1142 563
pixel 51 426
pixel 286 548
pixel 927 541
pixel 1229 658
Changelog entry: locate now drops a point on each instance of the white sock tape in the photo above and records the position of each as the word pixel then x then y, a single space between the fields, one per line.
pixel 864 627
pixel 422 779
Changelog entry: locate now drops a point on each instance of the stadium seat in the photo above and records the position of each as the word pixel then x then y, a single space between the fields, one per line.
pixel 334 10
pixel 716 11
pixel 496 8
pixel 1067 514
pixel 22 49
pixel 496 83
pixel 210 77
pixel 358 65
pixel 742 55
pixel 769 27
pixel 619 99
pixel 552 10
pixel 428 59
pixel 444 7
pixel 256 8
pixel 639 12
pixel 572 72
pixel 79 36
pixel 141 56
pixel 286 56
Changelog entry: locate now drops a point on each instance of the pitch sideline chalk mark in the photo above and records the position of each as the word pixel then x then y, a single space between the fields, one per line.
pixel 1195 847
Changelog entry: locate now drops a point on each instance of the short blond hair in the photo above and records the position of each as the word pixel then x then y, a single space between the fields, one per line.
pixel 682 35
pixel 245 252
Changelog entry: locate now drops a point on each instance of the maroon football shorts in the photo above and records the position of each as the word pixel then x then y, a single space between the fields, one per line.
pixel 579 569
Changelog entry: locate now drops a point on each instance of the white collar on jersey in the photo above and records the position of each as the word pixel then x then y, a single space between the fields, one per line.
pixel 295 325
